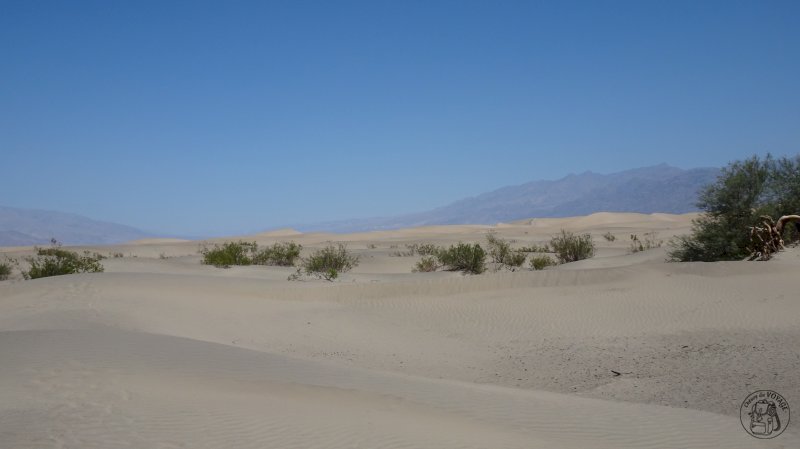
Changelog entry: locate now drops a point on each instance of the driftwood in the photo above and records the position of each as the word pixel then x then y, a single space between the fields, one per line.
pixel 767 239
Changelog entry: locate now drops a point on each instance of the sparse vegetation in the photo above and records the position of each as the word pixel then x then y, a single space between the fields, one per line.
pixel 56 261
pixel 501 252
pixel 463 257
pixel 650 241
pixel 327 263
pixel 426 249
pixel 541 262
pixel 536 249
pixel 609 237
pixel 744 193
pixel 426 265
pixel 499 249
pixel 569 247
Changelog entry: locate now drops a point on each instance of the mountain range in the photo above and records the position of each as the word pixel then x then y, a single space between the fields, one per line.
pixel 23 227
pixel 660 188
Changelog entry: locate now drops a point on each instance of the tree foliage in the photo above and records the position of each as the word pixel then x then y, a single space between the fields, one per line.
pixel 744 191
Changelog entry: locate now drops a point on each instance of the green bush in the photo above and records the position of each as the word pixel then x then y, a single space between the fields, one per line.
pixel 56 261
pixel 229 253
pixel 5 270
pixel 327 263
pixel 426 265
pixel 279 254
pixel 569 247
pixel 248 253
pixel 463 257
pixel 743 192
pixel 541 262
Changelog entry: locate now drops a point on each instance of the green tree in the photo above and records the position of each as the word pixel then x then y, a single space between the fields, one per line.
pixel 744 191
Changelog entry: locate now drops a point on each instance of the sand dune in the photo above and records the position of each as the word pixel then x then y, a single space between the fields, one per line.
pixel 161 351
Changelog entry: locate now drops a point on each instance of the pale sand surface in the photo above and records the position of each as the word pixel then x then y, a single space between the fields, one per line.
pixel 162 352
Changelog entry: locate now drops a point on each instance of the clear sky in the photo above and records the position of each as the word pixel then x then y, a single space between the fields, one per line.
pixel 200 118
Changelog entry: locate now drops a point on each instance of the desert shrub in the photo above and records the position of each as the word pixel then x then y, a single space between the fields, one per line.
pixel 650 241
pixel 499 249
pixel 541 262
pixel 282 254
pixel 5 270
pixel 463 257
pixel 536 249
pixel 426 265
pixel 423 249
pixel 569 247
pixel 327 263
pixel 372 246
pixel 609 237
pixel 117 255
pixel 501 252
pixel 56 261
pixel 744 191
pixel 229 253
pixel 427 249
pixel 515 259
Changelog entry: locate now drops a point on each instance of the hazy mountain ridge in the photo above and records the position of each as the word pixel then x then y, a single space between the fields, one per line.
pixel 659 188
pixel 22 227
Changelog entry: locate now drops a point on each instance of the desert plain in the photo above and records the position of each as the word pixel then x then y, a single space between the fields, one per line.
pixel 623 350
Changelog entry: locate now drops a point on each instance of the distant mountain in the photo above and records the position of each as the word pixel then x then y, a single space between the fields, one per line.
pixel 22 227
pixel 660 188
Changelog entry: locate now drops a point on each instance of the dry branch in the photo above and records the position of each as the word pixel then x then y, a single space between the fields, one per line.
pixel 767 239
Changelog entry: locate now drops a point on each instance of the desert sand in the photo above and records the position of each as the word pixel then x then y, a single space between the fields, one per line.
pixel 160 351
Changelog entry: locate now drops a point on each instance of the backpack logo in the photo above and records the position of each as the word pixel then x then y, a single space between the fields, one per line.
pixel 764 414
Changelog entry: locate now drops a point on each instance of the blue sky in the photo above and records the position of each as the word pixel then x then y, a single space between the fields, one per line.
pixel 199 118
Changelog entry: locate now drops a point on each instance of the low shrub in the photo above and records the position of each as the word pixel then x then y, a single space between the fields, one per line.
pixel 501 252
pixel 427 249
pixel 536 249
pixel 229 253
pixel 56 261
pixel 282 254
pixel 569 247
pixel 515 259
pixel 279 254
pixel 609 237
pixel 426 265
pixel 499 249
pixel 541 262
pixel 327 263
pixel 5 270
pixel 463 257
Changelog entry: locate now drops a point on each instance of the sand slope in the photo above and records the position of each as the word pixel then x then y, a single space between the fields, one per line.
pixel 160 351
